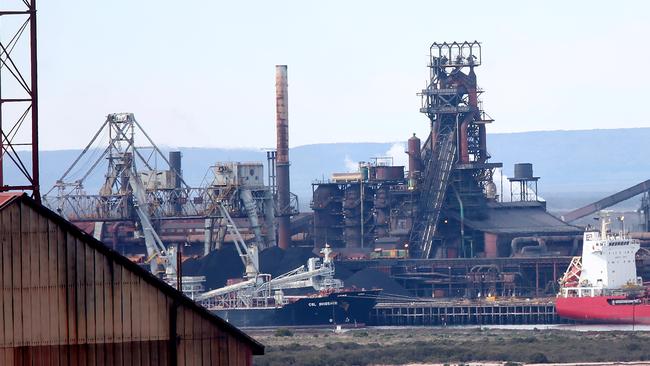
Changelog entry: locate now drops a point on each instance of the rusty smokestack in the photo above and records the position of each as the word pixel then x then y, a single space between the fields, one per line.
pixel 282 157
pixel 415 157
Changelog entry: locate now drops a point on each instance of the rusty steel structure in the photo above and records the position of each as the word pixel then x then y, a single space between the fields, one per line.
pixel 180 213
pixel 19 98
pixel 448 176
pixel 471 277
pixel 442 229
pixel 282 157
pixel 368 209
pixel 113 148
pixel 140 181
pixel 455 154
pixel 69 299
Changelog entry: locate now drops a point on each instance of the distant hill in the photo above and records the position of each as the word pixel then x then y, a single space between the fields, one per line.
pixel 576 167
pixel 578 161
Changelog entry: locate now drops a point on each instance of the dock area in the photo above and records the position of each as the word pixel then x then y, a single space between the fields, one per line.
pixel 538 311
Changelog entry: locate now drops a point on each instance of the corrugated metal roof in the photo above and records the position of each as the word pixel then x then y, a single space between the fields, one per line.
pixel 7 198
pixel 521 219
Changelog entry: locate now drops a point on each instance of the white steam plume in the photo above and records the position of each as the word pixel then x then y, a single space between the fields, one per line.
pixel 350 165
pixel 497 179
pixel 397 152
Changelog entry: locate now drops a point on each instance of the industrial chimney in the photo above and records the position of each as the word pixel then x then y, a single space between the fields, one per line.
pixel 177 174
pixel 282 157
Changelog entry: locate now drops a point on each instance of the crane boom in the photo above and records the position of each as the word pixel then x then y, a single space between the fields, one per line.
pixel 155 246
pixel 607 201
pixel 248 254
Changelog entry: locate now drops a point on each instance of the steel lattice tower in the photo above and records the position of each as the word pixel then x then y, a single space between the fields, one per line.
pixel 455 154
pixel 18 98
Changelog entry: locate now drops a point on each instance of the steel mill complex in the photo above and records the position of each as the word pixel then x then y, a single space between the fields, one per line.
pixel 434 242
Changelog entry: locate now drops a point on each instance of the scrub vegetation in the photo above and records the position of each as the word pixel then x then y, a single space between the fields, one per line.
pixel 450 346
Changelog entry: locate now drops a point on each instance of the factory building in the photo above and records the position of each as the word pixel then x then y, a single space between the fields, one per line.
pixel 447 203
pixel 69 299
pixel 441 226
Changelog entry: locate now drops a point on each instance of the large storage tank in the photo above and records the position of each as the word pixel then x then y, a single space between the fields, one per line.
pixel 523 170
pixel 389 172
pixel 415 156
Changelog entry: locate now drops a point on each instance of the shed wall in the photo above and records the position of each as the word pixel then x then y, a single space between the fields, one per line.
pixel 64 299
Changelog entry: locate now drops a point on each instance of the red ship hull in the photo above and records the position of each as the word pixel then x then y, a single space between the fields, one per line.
pixel 604 309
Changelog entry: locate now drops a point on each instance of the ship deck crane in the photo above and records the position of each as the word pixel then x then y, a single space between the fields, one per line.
pixel 261 290
pixel 315 275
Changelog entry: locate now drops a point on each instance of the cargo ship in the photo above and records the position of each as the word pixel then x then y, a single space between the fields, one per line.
pixel 347 308
pixel 306 296
pixel 602 285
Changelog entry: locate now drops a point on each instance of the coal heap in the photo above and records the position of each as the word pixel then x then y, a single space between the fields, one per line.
pixel 276 261
pixel 223 264
pixel 341 272
pixel 369 278
pixel 217 267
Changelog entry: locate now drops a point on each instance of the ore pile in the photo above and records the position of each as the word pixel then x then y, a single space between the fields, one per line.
pixel 369 278
pixel 221 265
pixel 218 267
pixel 276 261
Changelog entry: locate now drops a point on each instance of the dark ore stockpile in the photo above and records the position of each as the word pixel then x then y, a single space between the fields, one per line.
pixel 276 261
pixel 369 278
pixel 221 265
pixel 217 267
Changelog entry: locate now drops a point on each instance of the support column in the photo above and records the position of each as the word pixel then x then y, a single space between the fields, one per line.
pixel 491 248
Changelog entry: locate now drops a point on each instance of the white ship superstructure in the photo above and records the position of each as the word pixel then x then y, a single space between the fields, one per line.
pixel 607 264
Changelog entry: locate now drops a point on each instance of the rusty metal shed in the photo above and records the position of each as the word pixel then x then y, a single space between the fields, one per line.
pixel 67 299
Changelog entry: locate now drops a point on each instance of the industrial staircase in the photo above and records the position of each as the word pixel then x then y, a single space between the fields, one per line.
pixel 436 178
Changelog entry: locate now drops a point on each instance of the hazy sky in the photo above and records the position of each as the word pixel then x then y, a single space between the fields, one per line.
pixel 201 73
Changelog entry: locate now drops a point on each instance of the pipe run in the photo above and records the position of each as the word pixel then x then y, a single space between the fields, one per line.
pixel 518 248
